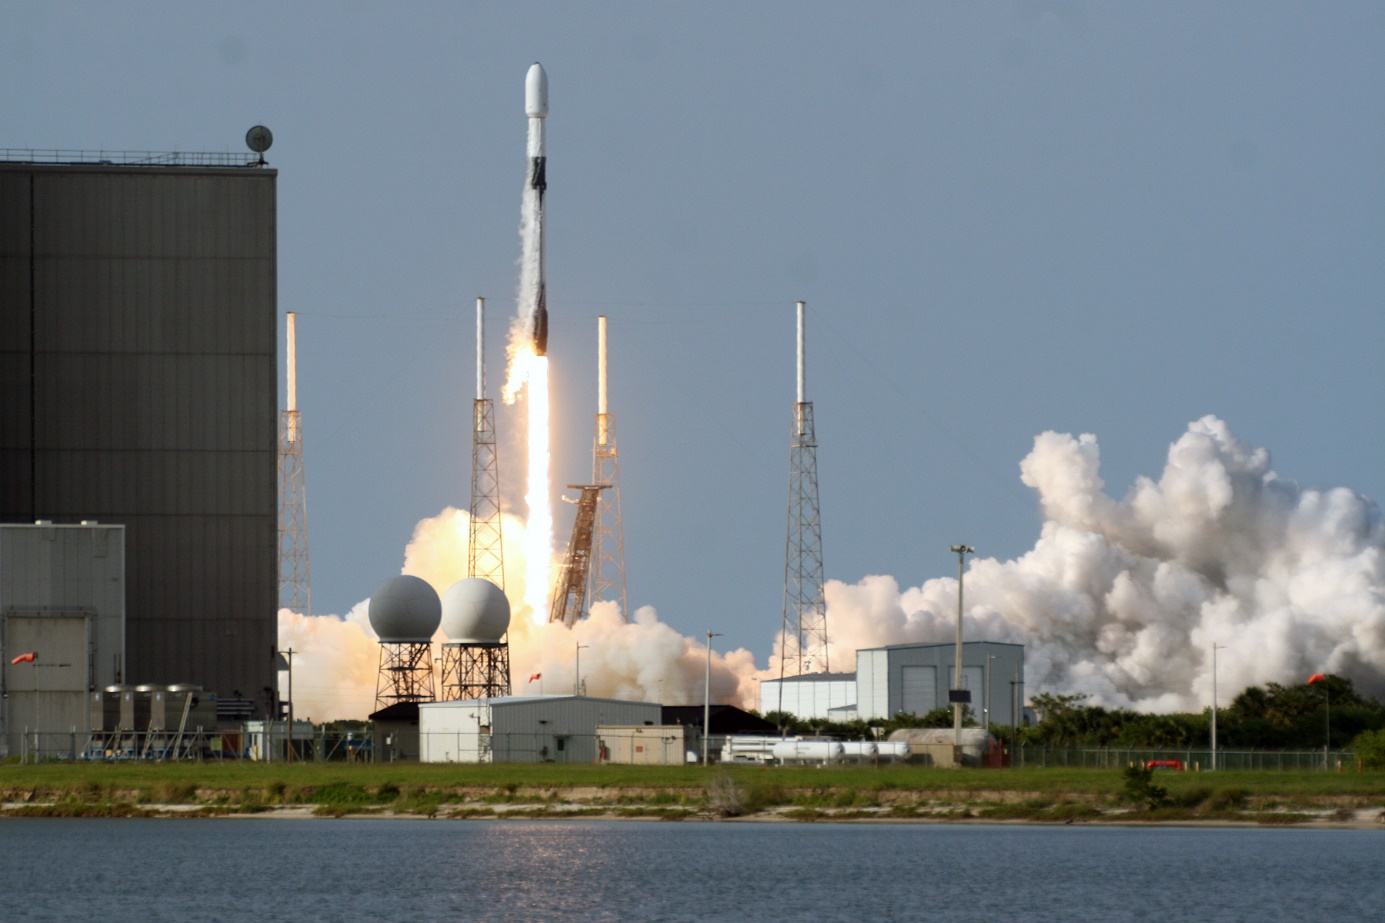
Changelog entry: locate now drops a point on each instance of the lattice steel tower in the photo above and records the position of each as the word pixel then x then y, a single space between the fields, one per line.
pixel 477 669
pixel 570 593
pixel 485 554
pixel 295 589
pixel 804 639
pixel 608 540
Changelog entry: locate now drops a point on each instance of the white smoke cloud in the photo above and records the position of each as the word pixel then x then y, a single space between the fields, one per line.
pixel 1123 599
pixel 643 660
pixel 1120 599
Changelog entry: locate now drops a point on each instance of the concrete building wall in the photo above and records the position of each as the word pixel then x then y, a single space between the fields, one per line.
pixel 137 358
pixel 62 597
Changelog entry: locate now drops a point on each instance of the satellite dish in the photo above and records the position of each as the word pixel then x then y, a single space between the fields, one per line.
pixel 258 139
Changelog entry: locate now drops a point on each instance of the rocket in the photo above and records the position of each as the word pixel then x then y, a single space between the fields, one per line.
pixel 536 107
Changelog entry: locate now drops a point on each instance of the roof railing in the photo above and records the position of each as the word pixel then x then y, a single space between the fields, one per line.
pixel 133 158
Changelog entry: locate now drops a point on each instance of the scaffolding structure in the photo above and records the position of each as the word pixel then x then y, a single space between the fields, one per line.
pixel 608 541
pixel 804 636
pixel 570 593
pixel 478 670
pixel 295 588
pixel 485 552
pixel 475 670
pixel 406 673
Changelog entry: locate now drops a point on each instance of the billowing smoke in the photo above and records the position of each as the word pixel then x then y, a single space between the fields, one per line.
pixel 1120 599
pixel 1123 599
pixel 643 659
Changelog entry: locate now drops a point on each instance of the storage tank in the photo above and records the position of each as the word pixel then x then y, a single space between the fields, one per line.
pixel 120 708
pixel 859 749
pixel 809 751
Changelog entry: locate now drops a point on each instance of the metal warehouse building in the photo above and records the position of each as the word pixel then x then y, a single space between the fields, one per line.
pixel 909 678
pixel 523 729
pixel 137 363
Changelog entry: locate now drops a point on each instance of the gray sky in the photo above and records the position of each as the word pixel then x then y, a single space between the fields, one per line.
pixel 1005 218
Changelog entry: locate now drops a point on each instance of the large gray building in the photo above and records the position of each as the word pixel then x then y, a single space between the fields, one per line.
pixel 137 362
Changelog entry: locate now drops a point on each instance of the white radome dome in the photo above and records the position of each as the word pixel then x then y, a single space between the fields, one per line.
pixel 405 609
pixel 475 610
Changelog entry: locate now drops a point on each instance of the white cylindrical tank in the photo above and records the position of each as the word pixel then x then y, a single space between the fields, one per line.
pixel 405 609
pixel 475 611
pixel 808 751
pixel 858 749
pixel 895 750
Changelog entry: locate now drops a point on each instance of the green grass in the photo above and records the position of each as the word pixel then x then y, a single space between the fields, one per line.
pixel 423 788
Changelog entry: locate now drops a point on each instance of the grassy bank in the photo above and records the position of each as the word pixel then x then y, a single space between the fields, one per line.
pixel 673 792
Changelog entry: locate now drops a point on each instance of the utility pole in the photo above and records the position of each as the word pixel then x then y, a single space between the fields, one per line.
pixel 707 698
pixel 577 675
pixel 958 695
pixel 1215 648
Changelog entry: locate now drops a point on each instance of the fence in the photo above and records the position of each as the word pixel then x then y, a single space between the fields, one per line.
pixel 615 745
pixel 1188 758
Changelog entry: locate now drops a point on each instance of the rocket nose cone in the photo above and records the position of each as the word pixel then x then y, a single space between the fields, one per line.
pixel 536 92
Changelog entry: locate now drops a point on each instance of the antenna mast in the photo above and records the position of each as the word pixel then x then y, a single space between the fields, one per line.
pixel 608 542
pixel 295 589
pixel 804 640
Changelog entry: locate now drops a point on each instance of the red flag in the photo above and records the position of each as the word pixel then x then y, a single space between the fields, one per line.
pixel 536 676
pixel 25 658
pixel 1316 678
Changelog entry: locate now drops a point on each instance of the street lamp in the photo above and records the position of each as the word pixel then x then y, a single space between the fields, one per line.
pixel 707 697
pixel 956 694
pixel 1215 648
pixel 986 693
pixel 577 674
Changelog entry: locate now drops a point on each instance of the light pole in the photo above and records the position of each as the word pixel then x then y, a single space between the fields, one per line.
pixel 1215 648
pixel 288 658
pixel 986 693
pixel 956 694
pixel 577 674
pixel 707 698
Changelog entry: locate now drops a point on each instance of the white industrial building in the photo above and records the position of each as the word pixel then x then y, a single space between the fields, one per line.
pixel 909 678
pixel 62 599
pixel 524 729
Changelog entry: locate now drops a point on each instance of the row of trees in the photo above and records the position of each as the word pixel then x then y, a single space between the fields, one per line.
pixel 1269 717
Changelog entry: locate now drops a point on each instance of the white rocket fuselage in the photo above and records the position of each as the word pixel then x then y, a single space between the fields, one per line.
pixel 536 107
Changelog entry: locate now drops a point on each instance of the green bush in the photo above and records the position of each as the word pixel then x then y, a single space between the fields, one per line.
pixel 1369 747
pixel 1140 789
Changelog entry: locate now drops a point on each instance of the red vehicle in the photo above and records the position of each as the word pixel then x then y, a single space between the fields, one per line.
pixel 1175 765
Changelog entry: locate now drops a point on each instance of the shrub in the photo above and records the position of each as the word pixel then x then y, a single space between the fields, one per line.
pixel 1140 789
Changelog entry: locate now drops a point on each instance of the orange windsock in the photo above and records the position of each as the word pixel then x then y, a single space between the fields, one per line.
pixel 1316 678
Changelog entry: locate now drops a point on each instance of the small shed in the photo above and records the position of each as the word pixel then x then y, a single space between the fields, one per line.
pixel 394 734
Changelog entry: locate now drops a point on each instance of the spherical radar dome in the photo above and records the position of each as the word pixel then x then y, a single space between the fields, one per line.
pixel 405 609
pixel 475 610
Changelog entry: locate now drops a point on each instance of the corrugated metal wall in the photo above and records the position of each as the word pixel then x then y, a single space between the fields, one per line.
pixel 137 354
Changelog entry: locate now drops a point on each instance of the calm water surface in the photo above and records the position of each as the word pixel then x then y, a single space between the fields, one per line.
pixel 260 869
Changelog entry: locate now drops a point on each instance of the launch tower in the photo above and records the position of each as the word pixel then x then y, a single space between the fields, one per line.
pixel 295 589
pixel 804 639
pixel 608 540
pixel 571 590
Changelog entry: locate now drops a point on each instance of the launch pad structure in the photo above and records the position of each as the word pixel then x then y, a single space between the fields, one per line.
pixel 570 592
pixel 804 637
pixel 295 587
pixel 608 540
pixel 474 669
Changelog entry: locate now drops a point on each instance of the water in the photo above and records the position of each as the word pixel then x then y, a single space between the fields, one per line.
pixel 121 871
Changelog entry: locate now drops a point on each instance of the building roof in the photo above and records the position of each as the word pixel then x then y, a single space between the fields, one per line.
pixel 399 711
pixel 923 644
pixel 816 678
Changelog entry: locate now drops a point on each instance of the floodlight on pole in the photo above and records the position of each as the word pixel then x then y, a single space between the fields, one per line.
pixel 577 671
pixel 707 698
pixel 956 694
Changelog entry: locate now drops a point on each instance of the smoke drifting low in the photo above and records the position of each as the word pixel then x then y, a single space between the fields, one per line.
pixel 1120 599
pixel 643 659
pixel 1123 599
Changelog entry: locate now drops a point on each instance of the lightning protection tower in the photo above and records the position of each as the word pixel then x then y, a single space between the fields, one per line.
pixel 804 639
pixel 485 554
pixel 295 590
pixel 571 590
pixel 608 541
